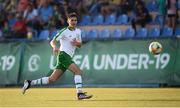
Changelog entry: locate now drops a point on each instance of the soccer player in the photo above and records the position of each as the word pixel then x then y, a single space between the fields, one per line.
pixel 69 38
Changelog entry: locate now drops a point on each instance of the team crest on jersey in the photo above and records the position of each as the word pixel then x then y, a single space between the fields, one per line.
pixel 63 37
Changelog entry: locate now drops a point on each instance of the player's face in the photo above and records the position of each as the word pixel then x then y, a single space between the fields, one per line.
pixel 72 21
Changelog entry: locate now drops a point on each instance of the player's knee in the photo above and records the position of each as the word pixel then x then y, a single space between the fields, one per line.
pixel 78 72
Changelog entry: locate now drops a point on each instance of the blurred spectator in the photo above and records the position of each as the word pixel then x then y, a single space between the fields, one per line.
pixel 8 22
pixel 1 24
pixel 126 6
pixel 58 1
pixel 64 9
pixel 30 15
pixel 57 19
pixel 45 11
pixel 139 2
pixel 1 6
pixel 162 12
pixel 19 29
pixel 94 8
pixel 4 26
pixel 162 7
pixel 114 7
pixel 87 3
pixel 78 7
pixel 11 19
pixel 100 7
pixel 104 7
pixel 142 16
pixel 22 5
pixel 116 2
pixel 2 19
pixel 68 8
pixel 172 12
pixel 10 5
pixel 51 14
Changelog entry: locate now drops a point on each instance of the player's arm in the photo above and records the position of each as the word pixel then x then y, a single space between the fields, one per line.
pixel 53 44
pixel 54 41
pixel 77 43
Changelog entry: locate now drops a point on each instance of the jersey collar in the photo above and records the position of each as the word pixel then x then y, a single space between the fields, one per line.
pixel 71 28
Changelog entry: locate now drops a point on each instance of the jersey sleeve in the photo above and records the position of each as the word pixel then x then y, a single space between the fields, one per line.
pixel 58 36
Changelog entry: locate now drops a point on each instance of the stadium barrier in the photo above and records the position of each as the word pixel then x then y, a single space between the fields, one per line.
pixel 104 63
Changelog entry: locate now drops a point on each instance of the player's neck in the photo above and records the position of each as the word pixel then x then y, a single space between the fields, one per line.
pixel 71 28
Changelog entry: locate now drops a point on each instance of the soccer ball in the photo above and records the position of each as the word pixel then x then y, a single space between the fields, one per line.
pixel 155 48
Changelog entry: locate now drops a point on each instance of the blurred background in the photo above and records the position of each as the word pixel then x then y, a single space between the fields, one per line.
pixel 40 19
pixel 115 33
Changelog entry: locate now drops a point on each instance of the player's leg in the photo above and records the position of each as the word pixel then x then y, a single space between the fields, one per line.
pixel 55 75
pixel 78 81
pixel 77 77
pixel 59 70
pixel 42 81
pixel 46 80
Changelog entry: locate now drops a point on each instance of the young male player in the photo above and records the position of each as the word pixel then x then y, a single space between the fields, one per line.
pixel 69 38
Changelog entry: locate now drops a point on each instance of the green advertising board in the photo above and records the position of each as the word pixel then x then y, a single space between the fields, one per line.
pixel 9 62
pixel 104 63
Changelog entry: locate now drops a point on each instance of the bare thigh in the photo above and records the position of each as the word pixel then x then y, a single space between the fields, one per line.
pixel 55 75
pixel 75 69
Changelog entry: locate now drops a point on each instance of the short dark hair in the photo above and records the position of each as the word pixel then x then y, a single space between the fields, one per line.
pixel 70 15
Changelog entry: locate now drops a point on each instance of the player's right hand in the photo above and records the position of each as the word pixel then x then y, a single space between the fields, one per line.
pixel 55 51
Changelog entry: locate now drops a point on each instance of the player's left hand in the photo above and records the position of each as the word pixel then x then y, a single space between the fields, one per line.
pixel 76 43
